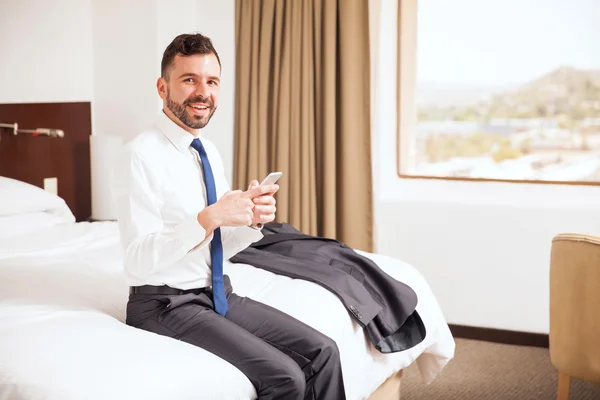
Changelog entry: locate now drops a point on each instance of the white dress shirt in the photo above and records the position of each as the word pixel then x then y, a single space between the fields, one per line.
pixel 158 189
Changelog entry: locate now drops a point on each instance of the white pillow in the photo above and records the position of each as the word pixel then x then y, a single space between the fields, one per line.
pixel 17 197
pixel 22 224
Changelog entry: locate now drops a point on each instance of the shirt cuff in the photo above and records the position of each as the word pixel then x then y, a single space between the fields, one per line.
pixel 251 233
pixel 190 233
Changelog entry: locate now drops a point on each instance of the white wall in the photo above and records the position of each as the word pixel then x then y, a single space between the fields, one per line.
pixel 125 66
pixel 45 51
pixel 483 247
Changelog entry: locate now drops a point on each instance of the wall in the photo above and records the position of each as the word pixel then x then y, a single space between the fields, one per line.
pixel 125 66
pixel 483 247
pixel 45 50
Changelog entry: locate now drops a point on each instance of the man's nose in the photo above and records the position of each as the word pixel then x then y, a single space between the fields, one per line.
pixel 203 90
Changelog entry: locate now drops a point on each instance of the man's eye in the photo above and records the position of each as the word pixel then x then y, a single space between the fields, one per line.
pixel 212 82
pixel 189 80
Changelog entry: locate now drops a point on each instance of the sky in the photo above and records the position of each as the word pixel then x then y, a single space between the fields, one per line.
pixel 504 42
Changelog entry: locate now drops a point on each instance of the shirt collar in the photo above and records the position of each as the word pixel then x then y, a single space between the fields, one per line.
pixel 179 137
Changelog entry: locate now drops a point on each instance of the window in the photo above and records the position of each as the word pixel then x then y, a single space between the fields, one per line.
pixel 500 90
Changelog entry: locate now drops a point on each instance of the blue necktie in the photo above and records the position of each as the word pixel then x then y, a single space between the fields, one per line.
pixel 216 247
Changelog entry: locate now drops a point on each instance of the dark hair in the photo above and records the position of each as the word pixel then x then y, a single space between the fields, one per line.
pixel 186 44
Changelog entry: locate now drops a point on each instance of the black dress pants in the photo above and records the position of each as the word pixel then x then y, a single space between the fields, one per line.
pixel 282 357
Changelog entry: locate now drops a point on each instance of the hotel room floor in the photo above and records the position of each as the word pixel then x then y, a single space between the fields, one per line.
pixel 483 370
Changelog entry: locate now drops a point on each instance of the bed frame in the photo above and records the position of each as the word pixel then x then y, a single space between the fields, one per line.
pixel 390 389
pixel 32 158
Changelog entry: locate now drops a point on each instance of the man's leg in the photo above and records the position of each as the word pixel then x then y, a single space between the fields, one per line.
pixel 186 317
pixel 315 353
pixel 281 355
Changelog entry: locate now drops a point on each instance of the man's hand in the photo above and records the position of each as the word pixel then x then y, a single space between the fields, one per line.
pixel 237 208
pixel 264 205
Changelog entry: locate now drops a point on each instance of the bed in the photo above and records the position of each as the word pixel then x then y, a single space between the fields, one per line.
pixel 62 311
pixel 63 294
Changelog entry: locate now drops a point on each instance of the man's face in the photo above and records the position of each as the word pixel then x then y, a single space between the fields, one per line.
pixel 191 93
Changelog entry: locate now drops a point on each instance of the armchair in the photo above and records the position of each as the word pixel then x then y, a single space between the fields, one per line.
pixel 575 309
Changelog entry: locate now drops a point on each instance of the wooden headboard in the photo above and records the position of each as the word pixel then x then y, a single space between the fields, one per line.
pixel 31 159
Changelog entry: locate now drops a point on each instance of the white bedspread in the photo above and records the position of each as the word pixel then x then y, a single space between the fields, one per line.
pixel 62 336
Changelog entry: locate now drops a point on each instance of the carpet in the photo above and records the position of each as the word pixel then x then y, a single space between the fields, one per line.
pixel 484 370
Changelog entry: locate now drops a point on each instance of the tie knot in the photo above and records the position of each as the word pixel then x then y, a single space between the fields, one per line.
pixel 197 145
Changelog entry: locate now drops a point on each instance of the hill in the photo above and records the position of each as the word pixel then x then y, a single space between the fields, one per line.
pixel 566 93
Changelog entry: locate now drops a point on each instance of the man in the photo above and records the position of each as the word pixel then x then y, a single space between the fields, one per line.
pixel 179 220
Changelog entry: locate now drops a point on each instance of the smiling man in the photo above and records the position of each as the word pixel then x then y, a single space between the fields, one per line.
pixel 179 220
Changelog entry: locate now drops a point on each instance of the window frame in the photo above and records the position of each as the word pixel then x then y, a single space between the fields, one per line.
pixel 406 110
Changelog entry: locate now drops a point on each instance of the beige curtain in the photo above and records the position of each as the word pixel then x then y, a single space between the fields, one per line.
pixel 303 108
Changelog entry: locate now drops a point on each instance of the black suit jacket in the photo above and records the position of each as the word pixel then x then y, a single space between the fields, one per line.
pixel 384 307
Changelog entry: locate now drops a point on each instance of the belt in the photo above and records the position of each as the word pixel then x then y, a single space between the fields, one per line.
pixel 149 289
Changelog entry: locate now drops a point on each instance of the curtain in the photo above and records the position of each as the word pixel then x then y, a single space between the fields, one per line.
pixel 302 107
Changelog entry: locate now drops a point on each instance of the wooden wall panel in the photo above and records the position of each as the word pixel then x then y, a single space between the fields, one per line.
pixel 31 159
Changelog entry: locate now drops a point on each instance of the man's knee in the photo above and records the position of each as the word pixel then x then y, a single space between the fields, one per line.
pixel 289 382
pixel 328 349
pixel 331 347
pixel 297 381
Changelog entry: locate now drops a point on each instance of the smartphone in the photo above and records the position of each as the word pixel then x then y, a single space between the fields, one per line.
pixel 271 178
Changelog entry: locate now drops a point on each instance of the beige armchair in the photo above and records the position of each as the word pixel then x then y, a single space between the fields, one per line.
pixel 575 309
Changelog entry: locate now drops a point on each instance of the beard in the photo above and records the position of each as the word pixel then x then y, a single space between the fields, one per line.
pixel 190 120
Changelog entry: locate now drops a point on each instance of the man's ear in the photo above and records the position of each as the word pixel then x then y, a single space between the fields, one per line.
pixel 161 86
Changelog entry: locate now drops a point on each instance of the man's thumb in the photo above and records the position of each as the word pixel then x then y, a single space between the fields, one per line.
pixel 253 184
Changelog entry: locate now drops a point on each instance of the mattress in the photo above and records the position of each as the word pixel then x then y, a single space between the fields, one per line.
pixel 62 333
